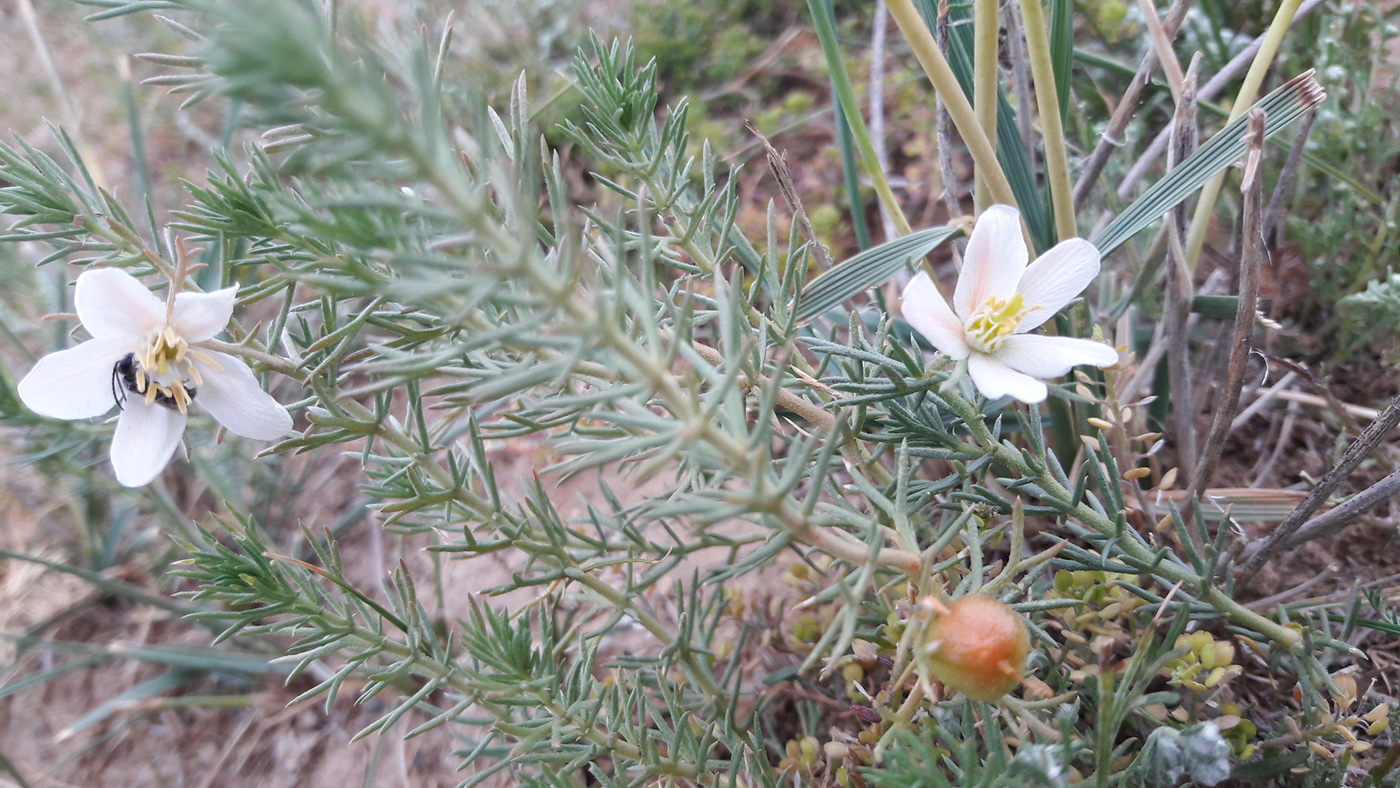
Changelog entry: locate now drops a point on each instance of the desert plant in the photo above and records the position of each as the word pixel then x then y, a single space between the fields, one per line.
pixel 418 283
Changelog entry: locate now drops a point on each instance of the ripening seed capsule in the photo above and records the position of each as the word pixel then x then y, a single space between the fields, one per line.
pixel 978 647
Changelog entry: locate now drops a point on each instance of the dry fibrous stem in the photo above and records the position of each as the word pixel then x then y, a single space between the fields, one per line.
pixel 1251 259
pixel 1179 290
pixel 1020 76
pixel 960 111
pixel 877 105
pixel 1282 537
pixel 944 129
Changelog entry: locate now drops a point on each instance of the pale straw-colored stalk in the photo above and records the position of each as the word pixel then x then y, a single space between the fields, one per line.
pixel 1048 101
pixel 985 77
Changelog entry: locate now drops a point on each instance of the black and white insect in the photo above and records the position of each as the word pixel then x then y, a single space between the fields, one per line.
pixel 124 381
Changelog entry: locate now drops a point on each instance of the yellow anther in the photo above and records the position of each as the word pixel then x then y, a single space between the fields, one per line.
pixel 182 397
pixel 165 370
pixel 995 320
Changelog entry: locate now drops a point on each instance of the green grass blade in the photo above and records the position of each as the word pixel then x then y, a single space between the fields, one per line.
pixel 1062 50
pixel 825 25
pixel 870 268
pixel 1281 107
pixel 849 167
pixel 849 174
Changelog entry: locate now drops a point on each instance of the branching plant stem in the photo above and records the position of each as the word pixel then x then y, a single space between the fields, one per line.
pixel 1063 499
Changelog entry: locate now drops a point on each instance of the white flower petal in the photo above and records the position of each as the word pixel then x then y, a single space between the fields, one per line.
pixel 115 305
pixel 146 439
pixel 234 397
pixel 995 380
pixel 199 316
pixel 1055 278
pixel 1050 357
pixel 75 383
pixel 995 259
pixel 924 308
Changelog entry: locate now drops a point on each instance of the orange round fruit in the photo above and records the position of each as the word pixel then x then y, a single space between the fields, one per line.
pixel 978 647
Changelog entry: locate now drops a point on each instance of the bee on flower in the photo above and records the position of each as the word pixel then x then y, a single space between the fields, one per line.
pixel 998 300
pixel 145 357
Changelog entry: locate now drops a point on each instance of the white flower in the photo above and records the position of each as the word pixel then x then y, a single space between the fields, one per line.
pixel 998 299
pixel 144 356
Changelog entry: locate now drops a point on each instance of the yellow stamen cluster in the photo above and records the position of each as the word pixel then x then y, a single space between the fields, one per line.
pixel 995 320
pixel 165 355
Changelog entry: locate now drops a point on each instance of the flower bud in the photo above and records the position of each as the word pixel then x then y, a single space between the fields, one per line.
pixel 978 647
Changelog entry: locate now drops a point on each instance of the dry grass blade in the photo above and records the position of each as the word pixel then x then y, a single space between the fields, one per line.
pixel 1245 504
pixel 777 164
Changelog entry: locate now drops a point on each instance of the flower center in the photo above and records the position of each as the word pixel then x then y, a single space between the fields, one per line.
pixel 995 320
pixel 164 373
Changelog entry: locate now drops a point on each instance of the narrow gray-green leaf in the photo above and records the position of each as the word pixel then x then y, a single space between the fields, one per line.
pixel 870 268
pixel 1281 108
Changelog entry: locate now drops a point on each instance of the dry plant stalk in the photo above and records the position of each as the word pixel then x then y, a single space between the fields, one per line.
pixel 1256 555
pixel 1178 288
pixel 1252 253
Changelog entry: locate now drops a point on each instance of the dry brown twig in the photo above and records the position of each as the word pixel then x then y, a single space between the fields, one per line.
pixel 1179 290
pixel 1281 539
pixel 1251 259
